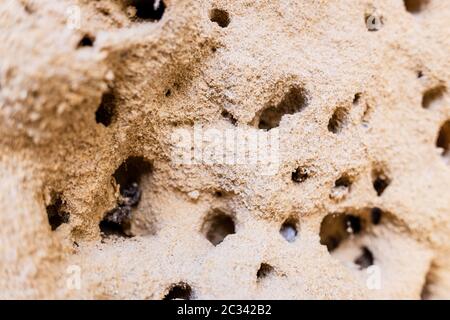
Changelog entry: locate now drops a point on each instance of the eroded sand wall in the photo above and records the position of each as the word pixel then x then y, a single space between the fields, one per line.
pixel 120 128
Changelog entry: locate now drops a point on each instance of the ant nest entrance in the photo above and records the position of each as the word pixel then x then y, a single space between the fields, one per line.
pixel 130 177
pixel 344 235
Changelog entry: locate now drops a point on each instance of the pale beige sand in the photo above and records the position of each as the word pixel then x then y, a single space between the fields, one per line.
pixel 361 118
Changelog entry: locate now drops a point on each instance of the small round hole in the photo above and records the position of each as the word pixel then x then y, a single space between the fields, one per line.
pixel 179 291
pixel 353 224
pixel 300 175
pixel 227 115
pixel 128 176
pixel 219 16
pixel 264 271
pixel 366 258
pixel 343 182
pixel 56 215
pixel 443 141
pixel 337 227
pixel 333 230
pixel 375 215
pixel 152 10
pixel 217 226
pixel 374 22
pixel 341 187
pixel 380 181
pixel 416 6
pixel 293 101
pixel 338 120
pixel 289 229
pixel 86 41
pixel 433 97
pixel 106 111
pixel 357 98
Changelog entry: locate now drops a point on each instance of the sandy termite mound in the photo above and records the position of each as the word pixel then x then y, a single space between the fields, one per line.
pixel 122 125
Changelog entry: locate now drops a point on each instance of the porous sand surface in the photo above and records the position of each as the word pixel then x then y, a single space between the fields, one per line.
pixel 101 101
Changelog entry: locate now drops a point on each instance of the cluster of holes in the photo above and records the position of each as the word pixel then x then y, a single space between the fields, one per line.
pixel 219 225
pixel 294 101
pixel 147 10
pixel 219 16
pixel 183 291
pixel 55 213
pixel 336 228
pixel 128 176
pixel 416 6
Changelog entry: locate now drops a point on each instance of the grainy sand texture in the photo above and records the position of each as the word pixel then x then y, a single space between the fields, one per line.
pixel 213 149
